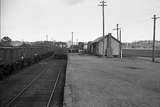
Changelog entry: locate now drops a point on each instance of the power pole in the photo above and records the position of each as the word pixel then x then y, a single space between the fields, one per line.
pixel 120 37
pixel 117 29
pixel 72 43
pixel 154 32
pixel 102 4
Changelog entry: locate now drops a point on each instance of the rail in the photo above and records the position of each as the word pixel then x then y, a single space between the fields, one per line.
pixel 23 90
pixel 53 91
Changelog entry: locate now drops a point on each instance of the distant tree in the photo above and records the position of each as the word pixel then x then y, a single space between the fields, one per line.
pixel 6 41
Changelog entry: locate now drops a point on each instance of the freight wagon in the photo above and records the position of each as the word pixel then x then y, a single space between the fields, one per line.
pixel 15 58
pixel 60 50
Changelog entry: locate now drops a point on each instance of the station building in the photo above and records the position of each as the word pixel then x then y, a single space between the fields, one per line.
pixel 111 46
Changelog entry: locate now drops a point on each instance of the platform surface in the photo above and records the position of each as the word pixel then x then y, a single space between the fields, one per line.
pixel 110 82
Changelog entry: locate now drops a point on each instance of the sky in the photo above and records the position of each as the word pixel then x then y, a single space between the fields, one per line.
pixel 32 20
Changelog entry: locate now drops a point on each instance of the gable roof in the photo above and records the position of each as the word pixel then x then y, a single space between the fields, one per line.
pixel 101 38
pixel 115 39
pixel 98 39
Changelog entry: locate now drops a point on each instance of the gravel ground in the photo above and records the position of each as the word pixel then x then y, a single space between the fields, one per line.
pixel 110 82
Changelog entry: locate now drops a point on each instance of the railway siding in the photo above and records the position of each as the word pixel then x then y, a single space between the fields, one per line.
pixel 37 94
pixel 34 85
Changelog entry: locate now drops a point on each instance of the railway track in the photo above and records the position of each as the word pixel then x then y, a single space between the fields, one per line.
pixel 13 99
pixel 40 91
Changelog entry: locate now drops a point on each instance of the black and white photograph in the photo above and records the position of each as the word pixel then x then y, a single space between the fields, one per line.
pixel 79 53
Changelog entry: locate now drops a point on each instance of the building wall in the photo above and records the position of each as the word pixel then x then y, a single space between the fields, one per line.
pixel 100 48
pixel 105 46
pixel 97 49
pixel 115 47
pixel 89 48
pixel 111 47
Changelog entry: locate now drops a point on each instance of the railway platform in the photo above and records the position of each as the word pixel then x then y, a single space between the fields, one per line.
pixel 110 82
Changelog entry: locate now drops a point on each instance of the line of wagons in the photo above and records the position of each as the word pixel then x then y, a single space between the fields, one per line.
pixel 15 58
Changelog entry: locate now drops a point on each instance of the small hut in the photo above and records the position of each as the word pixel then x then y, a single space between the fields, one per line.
pixel 111 46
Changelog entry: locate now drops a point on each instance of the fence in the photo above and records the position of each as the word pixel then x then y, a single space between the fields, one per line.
pixel 140 52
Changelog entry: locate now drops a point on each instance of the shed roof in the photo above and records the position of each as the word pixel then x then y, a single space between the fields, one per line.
pixel 101 38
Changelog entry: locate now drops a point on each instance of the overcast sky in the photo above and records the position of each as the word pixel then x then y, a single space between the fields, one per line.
pixel 31 20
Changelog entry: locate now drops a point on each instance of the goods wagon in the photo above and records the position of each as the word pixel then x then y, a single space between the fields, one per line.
pixel 60 53
pixel 15 58
pixel 60 50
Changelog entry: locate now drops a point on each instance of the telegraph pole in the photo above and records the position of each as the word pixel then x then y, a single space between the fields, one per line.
pixel 72 42
pixel 117 29
pixel 102 4
pixel 120 42
pixel 154 32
